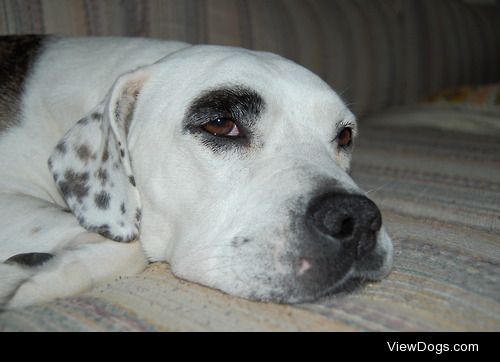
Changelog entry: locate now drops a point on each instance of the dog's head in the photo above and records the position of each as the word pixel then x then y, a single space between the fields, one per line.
pixel 237 163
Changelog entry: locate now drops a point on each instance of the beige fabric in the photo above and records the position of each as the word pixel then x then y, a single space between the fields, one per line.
pixel 442 117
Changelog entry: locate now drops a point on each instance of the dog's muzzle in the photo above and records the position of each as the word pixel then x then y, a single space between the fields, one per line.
pixel 339 244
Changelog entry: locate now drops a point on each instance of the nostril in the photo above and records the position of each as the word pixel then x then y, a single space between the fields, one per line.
pixel 335 223
pixel 346 228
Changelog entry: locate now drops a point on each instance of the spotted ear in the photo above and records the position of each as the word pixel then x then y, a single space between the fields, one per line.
pixel 92 169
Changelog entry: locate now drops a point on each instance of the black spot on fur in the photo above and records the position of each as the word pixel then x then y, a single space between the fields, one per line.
pixel 122 153
pixel 122 208
pixel 138 214
pixel 74 184
pixel 103 230
pixel 239 241
pixel 102 175
pixel 36 229
pixel 61 147
pixel 236 102
pixel 84 152
pixel 132 180
pixel 29 259
pixel 102 200
pixel 96 116
pixel 105 154
pixel 49 162
pixel 83 121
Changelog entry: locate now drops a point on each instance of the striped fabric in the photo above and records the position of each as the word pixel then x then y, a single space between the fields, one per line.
pixel 440 198
pixel 375 53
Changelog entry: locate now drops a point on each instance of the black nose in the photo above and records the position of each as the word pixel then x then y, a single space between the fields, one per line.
pixel 352 219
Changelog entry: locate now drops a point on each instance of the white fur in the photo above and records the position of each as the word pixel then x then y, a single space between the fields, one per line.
pixel 195 203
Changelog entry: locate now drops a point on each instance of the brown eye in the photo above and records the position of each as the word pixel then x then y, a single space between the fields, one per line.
pixel 223 127
pixel 344 138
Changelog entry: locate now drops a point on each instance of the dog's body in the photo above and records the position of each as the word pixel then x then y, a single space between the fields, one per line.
pixel 229 164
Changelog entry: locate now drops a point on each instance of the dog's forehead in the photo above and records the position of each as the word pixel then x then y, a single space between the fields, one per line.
pixel 284 86
pixel 203 67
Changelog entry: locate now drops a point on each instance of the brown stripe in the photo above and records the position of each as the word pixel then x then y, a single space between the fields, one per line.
pixel 17 54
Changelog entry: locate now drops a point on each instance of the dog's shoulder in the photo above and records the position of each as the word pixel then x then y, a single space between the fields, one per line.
pixel 18 54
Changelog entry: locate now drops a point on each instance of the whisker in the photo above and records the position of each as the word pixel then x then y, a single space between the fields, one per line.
pixel 381 187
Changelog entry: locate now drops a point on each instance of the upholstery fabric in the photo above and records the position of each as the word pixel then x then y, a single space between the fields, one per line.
pixel 439 193
pixel 445 117
pixel 374 53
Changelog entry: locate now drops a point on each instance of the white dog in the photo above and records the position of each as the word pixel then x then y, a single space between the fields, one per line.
pixel 229 164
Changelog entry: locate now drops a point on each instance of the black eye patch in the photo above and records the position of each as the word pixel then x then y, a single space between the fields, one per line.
pixel 238 103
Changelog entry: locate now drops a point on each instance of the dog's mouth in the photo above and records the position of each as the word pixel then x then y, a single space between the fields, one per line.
pixel 343 239
pixel 297 294
pixel 320 253
pixel 351 282
pixel 320 280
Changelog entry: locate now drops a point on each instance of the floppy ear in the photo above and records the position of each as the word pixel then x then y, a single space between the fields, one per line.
pixel 92 168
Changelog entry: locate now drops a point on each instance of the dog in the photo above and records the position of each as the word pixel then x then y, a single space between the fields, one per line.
pixel 229 164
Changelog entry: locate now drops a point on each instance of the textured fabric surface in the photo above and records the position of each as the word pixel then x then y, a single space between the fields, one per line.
pixel 374 53
pixel 440 198
pixel 447 117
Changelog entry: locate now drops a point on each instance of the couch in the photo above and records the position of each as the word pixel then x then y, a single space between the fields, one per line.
pixel 422 77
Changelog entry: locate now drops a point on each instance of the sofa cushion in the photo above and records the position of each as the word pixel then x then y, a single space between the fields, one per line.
pixel 466 109
pixel 439 193
pixel 445 119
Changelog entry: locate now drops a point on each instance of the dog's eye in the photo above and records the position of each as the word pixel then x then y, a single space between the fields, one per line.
pixel 344 138
pixel 222 127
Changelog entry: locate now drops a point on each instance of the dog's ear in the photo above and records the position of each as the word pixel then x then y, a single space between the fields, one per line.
pixel 91 165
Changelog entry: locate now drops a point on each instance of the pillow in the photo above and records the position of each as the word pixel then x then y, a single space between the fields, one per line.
pixel 470 109
pixel 478 98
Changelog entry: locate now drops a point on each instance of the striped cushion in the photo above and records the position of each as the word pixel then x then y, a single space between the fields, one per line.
pixel 375 53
